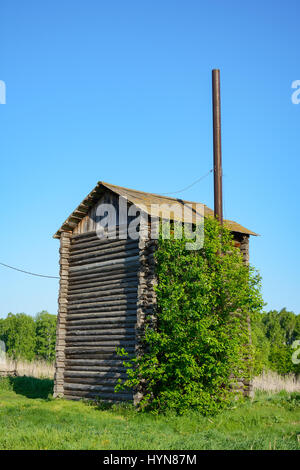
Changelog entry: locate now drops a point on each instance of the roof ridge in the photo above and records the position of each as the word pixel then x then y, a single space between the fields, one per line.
pixel 107 185
pixel 83 208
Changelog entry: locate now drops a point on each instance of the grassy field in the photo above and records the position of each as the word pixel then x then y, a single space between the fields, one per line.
pixel 31 419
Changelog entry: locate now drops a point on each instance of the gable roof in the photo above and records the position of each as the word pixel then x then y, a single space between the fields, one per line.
pixel 142 200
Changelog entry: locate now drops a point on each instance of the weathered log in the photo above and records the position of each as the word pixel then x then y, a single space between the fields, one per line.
pixel 92 330
pixel 123 282
pixel 106 298
pixel 105 343
pixel 103 291
pixel 103 332
pixel 124 278
pixel 102 298
pixel 71 350
pixel 97 355
pixel 100 241
pixel 104 273
pixel 102 244
pixel 108 397
pixel 94 362
pixel 110 340
pixel 96 250
pixel 106 230
pixel 90 349
pixel 102 277
pixel 110 323
pixel 93 233
pixel 120 369
pixel 83 387
pixel 118 281
pixel 119 373
pixel 109 318
pixel 93 381
pixel 99 300
pixel 103 257
pixel 99 307
pixel 107 288
pixel 93 374
pixel 105 369
pixel 122 262
pixel 92 318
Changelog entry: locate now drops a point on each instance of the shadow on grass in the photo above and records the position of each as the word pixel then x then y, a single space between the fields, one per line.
pixel 32 387
pixel 102 405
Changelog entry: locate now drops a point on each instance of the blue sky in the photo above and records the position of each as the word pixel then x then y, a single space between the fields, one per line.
pixel 121 92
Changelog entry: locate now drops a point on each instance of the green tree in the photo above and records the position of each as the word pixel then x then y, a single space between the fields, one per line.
pixel 273 335
pixel 18 333
pixel 2 327
pixel 287 322
pixel 204 298
pixel 45 335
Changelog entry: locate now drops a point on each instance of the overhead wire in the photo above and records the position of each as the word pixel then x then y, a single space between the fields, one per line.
pixel 163 194
pixel 28 272
pixel 190 185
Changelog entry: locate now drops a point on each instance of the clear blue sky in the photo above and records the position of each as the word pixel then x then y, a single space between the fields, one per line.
pixel 120 91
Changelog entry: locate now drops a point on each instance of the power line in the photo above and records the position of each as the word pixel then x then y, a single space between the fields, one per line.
pixel 28 272
pixel 192 184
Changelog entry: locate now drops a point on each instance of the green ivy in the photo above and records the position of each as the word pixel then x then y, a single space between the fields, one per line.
pixel 201 338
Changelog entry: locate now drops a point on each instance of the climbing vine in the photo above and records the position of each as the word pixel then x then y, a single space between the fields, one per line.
pixel 201 338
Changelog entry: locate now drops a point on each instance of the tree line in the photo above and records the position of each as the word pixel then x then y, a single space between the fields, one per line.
pixel 28 337
pixel 273 334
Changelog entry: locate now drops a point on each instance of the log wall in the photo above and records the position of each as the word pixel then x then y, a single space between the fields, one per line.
pixel 101 313
pixel 106 291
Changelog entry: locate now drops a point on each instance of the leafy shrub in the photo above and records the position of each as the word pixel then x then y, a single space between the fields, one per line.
pixel 201 338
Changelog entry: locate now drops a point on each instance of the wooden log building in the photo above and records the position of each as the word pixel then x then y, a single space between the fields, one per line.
pixel 106 290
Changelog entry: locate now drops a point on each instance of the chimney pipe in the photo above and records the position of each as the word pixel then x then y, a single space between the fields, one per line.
pixel 218 203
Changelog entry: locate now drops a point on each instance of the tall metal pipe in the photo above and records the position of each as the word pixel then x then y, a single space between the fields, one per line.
pixel 218 197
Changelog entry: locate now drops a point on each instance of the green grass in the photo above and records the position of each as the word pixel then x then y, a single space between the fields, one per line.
pixel 31 419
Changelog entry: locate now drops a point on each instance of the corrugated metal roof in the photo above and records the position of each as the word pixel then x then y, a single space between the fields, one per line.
pixel 144 201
